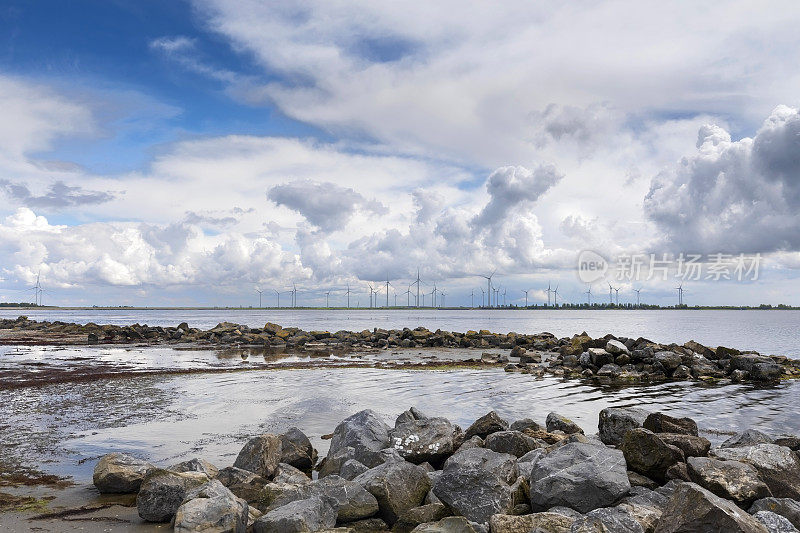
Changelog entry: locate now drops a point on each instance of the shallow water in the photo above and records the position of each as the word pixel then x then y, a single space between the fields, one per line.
pixel 769 332
pixel 64 427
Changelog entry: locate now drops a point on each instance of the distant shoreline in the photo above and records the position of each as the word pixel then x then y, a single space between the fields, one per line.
pixel 567 307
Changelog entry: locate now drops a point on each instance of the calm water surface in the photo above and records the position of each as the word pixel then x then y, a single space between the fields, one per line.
pixel 770 332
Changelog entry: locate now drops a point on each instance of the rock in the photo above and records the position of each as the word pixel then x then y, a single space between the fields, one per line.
pixel 607 519
pixel 677 471
pixel 397 485
pixel 428 439
pixel 451 524
pixel 231 475
pixel 682 372
pixel 663 423
pixel 260 455
pixel 790 441
pixel 669 360
pixel 288 474
pixel 748 437
pixel 212 508
pixel 766 372
pixel 786 507
pixel 556 422
pixel 119 473
pixel 485 425
pixel 599 357
pixel 162 492
pixel 778 466
pixel 517 351
pixel 515 443
pixel 296 450
pixel 616 421
pixel 638 480
pixel 690 445
pixel 525 423
pixel 411 518
pixel 579 476
pixel 648 455
pixel 732 480
pixel 747 361
pixel 409 416
pixel 366 433
pixel 775 523
pixel 349 499
pixel 546 522
pixel 530 357
pixel 312 514
pixel 476 483
pixel 693 509
pixel 615 347
pixel 196 465
pixel 473 442
pixel 352 469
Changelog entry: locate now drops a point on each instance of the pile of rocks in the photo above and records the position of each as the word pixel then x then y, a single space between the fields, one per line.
pixel 643 472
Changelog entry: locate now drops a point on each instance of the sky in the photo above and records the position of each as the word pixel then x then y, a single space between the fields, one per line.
pixel 192 152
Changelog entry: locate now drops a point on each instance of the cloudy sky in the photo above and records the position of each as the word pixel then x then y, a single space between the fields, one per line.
pixel 183 153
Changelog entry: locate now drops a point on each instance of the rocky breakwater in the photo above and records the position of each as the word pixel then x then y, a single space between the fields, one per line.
pixel 642 472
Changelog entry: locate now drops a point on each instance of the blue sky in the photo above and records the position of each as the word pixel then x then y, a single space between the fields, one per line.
pixel 187 152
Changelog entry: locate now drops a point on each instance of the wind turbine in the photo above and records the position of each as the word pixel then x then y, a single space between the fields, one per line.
pixel 555 296
pixel 483 295
pixel 387 291
pixel 443 295
pixel 610 298
pixel 279 298
pixel 679 288
pixel 548 294
pixel 371 290
pixel 472 299
pixel 489 285
pixel 36 289
pixel 327 299
pixel 433 296
pixel 616 289
pixel 637 291
pixel 259 291
pixel 417 282
pixel 348 296
pixel 408 296
pixel 504 297
pixel 589 295
pixel 526 298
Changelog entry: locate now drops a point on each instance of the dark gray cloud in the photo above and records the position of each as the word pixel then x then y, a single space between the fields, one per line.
pixel 585 126
pixel 325 205
pixel 58 195
pixel 733 196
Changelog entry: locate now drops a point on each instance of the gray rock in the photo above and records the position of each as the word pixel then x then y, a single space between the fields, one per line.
pixel 301 516
pixel 352 469
pixel 600 357
pixel 648 455
pixel 212 508
pixel 607 519
pixel 530 357
pixel 366 433
pixel 451 524
pixel 296 450
pixel 682 372
pixel 732 480
pixel 579 476
pixel 690 445
pixel 766 372
pixel 196 465
pixel 775 523
pixel 790 441
pixel 119 473
pixel 411 518
pixel 485 425
pixel 515 443
pixel 162 492
pixel 746 362
pixel 616 421
pixel 428 439
pixel 748 437
pixel 546 522
pixel 472 442
pixel 669 360
pixel 350 500
pixel 397 485
pixel 409 416
pixel 477 483
pixel 663 423
pixel 334 461
pixel 556 422
pixel 693 509
pixel 778 466
pixel 260 455
pixel 231 475
pixel 786 507
pixel 615 347
pixel 525 423
pixel 288 474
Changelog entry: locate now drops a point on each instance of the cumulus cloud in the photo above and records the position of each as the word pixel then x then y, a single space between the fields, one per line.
pixel 510 186
pixel 325 205
pixel 733 196
pixel 58 195
pixel 586 127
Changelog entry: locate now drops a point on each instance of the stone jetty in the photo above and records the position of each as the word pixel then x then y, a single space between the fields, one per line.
pixel 608 358
pixel 642 472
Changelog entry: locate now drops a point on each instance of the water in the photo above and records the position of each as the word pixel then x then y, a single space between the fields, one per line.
pixel 766 331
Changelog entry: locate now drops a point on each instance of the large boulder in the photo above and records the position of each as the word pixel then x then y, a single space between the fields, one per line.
pixel 162 492
pixel 409 416
pixel 786 507
pixel 581 476
pixel 749 437
pixel 557 422
pixel 693 509
pixel 426 439
pixel 196 465
pixel 648 455
pixel 485 425
pixel 616 347
pixel 669 360
pixel 690 445
pixel 300 516
pixel 663 423
pixel 538 522
pixel 366 433
pixel 775 523
pixel 397 485
pixel 477 483
pixel 350 500
pixel 288 474
pixel 778 466
pixel 732 480
pixel 616 421
pixel 260 455
pixel 515 443
pixel 119 473
pixel 296 450
pixel 211 508
pixel 607 519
